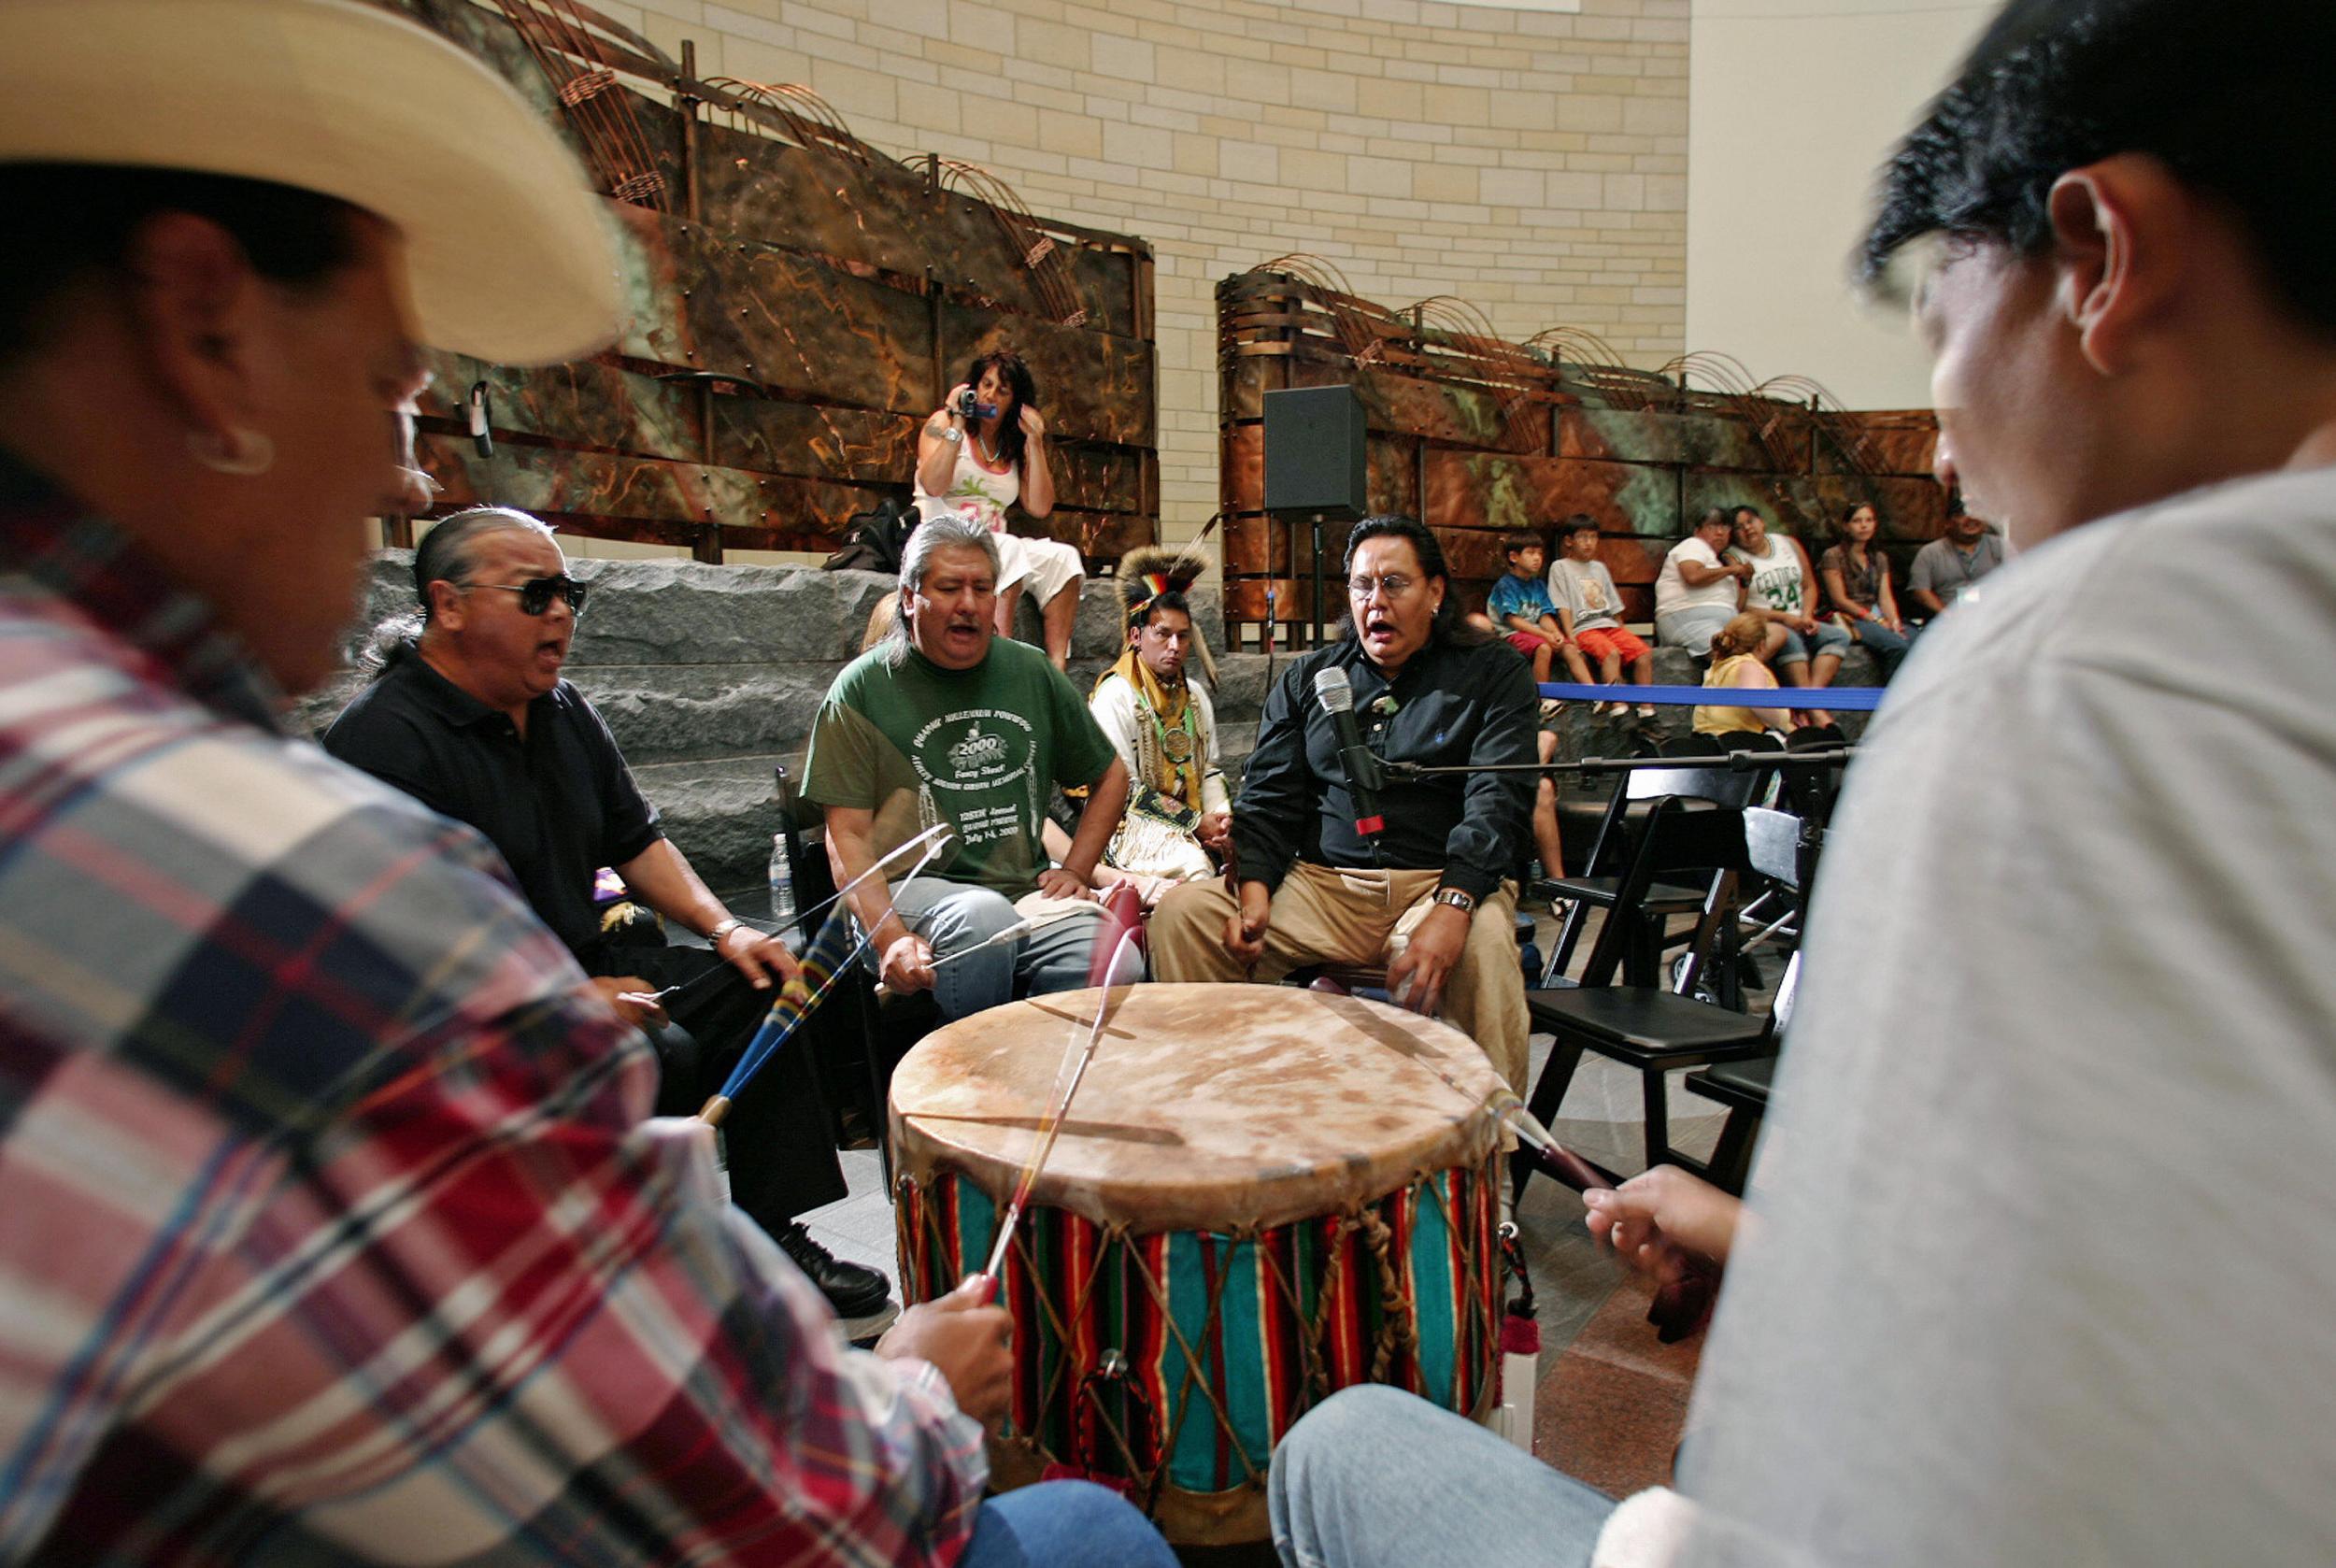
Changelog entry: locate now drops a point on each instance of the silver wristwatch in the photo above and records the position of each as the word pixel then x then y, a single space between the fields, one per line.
pixel 953 435
pixel 1464 902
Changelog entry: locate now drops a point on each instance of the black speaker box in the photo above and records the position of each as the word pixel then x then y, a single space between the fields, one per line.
pixel 1314 454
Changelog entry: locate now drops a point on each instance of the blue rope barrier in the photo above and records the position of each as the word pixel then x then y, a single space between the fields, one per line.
pixel 1837 699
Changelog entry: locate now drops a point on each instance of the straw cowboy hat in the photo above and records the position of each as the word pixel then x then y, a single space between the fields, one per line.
pixel 508 255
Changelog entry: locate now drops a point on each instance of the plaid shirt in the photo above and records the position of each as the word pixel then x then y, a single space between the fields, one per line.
pixel 329 1227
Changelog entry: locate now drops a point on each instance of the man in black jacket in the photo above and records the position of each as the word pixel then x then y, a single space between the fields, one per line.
pixel 1433 896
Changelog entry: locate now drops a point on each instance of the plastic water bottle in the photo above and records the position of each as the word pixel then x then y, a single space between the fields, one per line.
pixel 782 890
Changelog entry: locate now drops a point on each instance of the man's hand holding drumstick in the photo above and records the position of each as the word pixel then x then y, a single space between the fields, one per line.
pixel 1415 978
pixel 969 1341
pixel 1244 928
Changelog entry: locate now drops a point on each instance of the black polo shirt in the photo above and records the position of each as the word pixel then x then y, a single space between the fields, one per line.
pixel 1449 705
pixel 559 802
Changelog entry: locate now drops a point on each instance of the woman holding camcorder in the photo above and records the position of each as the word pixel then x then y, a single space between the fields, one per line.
pixel 982 450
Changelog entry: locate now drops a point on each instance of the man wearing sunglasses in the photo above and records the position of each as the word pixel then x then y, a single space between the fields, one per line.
pixel 474 719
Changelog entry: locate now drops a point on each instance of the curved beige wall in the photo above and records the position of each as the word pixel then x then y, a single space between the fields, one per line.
pixel 1797 103
pixel 1530 161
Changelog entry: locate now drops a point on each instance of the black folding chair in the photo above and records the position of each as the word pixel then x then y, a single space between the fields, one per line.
pixel 1646 1027
pixel 1719 788
pixel 1743 1086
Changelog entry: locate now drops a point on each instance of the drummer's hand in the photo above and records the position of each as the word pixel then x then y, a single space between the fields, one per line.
pixel 1663 1221
pixel 1060 881
pixel 1214 829
pixel 631 998
pixel 908 965
pixel 1427 960
pixel 761 959
pixel 971 1342
pixel 1244 928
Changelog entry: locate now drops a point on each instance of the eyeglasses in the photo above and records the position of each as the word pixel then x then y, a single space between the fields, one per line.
pixel 535 593
pixel 1394 585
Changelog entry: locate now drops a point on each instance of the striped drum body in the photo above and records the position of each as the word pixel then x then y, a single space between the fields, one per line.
pixel 1261 1195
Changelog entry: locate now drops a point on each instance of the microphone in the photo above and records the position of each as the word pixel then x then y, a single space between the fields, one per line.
pixel 1337 697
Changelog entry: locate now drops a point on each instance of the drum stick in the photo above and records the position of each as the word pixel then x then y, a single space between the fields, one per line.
pixel 1509 1111
pixel 1052 1127
pixel 1018 929
pixel 1553 1156
pixel 706 981
pixel 938 834
pixel 796 1000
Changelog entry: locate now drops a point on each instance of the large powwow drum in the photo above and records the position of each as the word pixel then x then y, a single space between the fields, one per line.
pixel 1260 1196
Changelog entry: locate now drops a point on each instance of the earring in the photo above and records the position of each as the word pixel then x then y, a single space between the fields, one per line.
pixel 233 451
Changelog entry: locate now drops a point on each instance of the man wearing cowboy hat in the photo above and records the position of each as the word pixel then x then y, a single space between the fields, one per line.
pixel 1158 717
pixel 330 1225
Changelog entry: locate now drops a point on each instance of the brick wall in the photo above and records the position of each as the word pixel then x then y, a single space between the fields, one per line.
pixel 1532 162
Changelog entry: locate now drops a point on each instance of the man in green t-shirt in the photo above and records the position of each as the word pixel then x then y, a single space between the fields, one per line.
pixel 944 723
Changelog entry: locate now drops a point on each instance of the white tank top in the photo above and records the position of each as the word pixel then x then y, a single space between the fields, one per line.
pixel 975 491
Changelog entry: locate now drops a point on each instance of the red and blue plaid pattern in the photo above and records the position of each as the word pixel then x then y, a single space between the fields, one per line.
pixel 329 1227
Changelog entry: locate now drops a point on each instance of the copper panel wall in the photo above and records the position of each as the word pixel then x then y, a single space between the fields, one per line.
pixel 1501 436
pixel 798 302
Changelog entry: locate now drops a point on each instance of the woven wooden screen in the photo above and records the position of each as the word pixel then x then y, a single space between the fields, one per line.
pixel 1475 436
pixel 798 302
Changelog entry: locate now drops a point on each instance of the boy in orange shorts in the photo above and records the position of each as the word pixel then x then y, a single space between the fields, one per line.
pixel 1520 606
pixel 1589 611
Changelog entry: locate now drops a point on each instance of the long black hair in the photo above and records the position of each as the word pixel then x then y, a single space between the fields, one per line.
pixel 1008 364
pixel 1449 626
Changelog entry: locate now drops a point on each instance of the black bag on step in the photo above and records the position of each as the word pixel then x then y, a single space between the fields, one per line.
pixel 875 539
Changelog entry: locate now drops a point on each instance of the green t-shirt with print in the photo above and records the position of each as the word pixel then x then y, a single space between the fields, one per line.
pixel 982 750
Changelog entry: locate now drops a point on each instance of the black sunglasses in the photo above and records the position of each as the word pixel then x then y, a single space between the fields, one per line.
pixel 535 593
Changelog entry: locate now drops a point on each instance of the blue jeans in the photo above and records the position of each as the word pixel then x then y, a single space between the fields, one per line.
pixel 1374 1478
pixel 1887 645
pixel 1828 637
pixel 1064 1524
pixel 954 915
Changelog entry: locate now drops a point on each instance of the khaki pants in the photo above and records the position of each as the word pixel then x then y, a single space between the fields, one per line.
pixel 1325 916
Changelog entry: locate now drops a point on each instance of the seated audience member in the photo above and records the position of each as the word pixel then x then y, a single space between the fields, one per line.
pixel 1518 604
pixel 474 719
pixel 977 464
pixel 1782 590
pixel 1590 609
pixel 1548 846
pixel 1996 1298
pixel 1736 665
pixel 1697 591
pixel 1947 567
pixel 1158 718
pixel 336 1228
pixel 1857 577
pixel 947 721
pixel 1434 890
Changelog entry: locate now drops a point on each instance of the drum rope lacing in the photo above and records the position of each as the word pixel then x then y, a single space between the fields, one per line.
pixel 1397 1339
